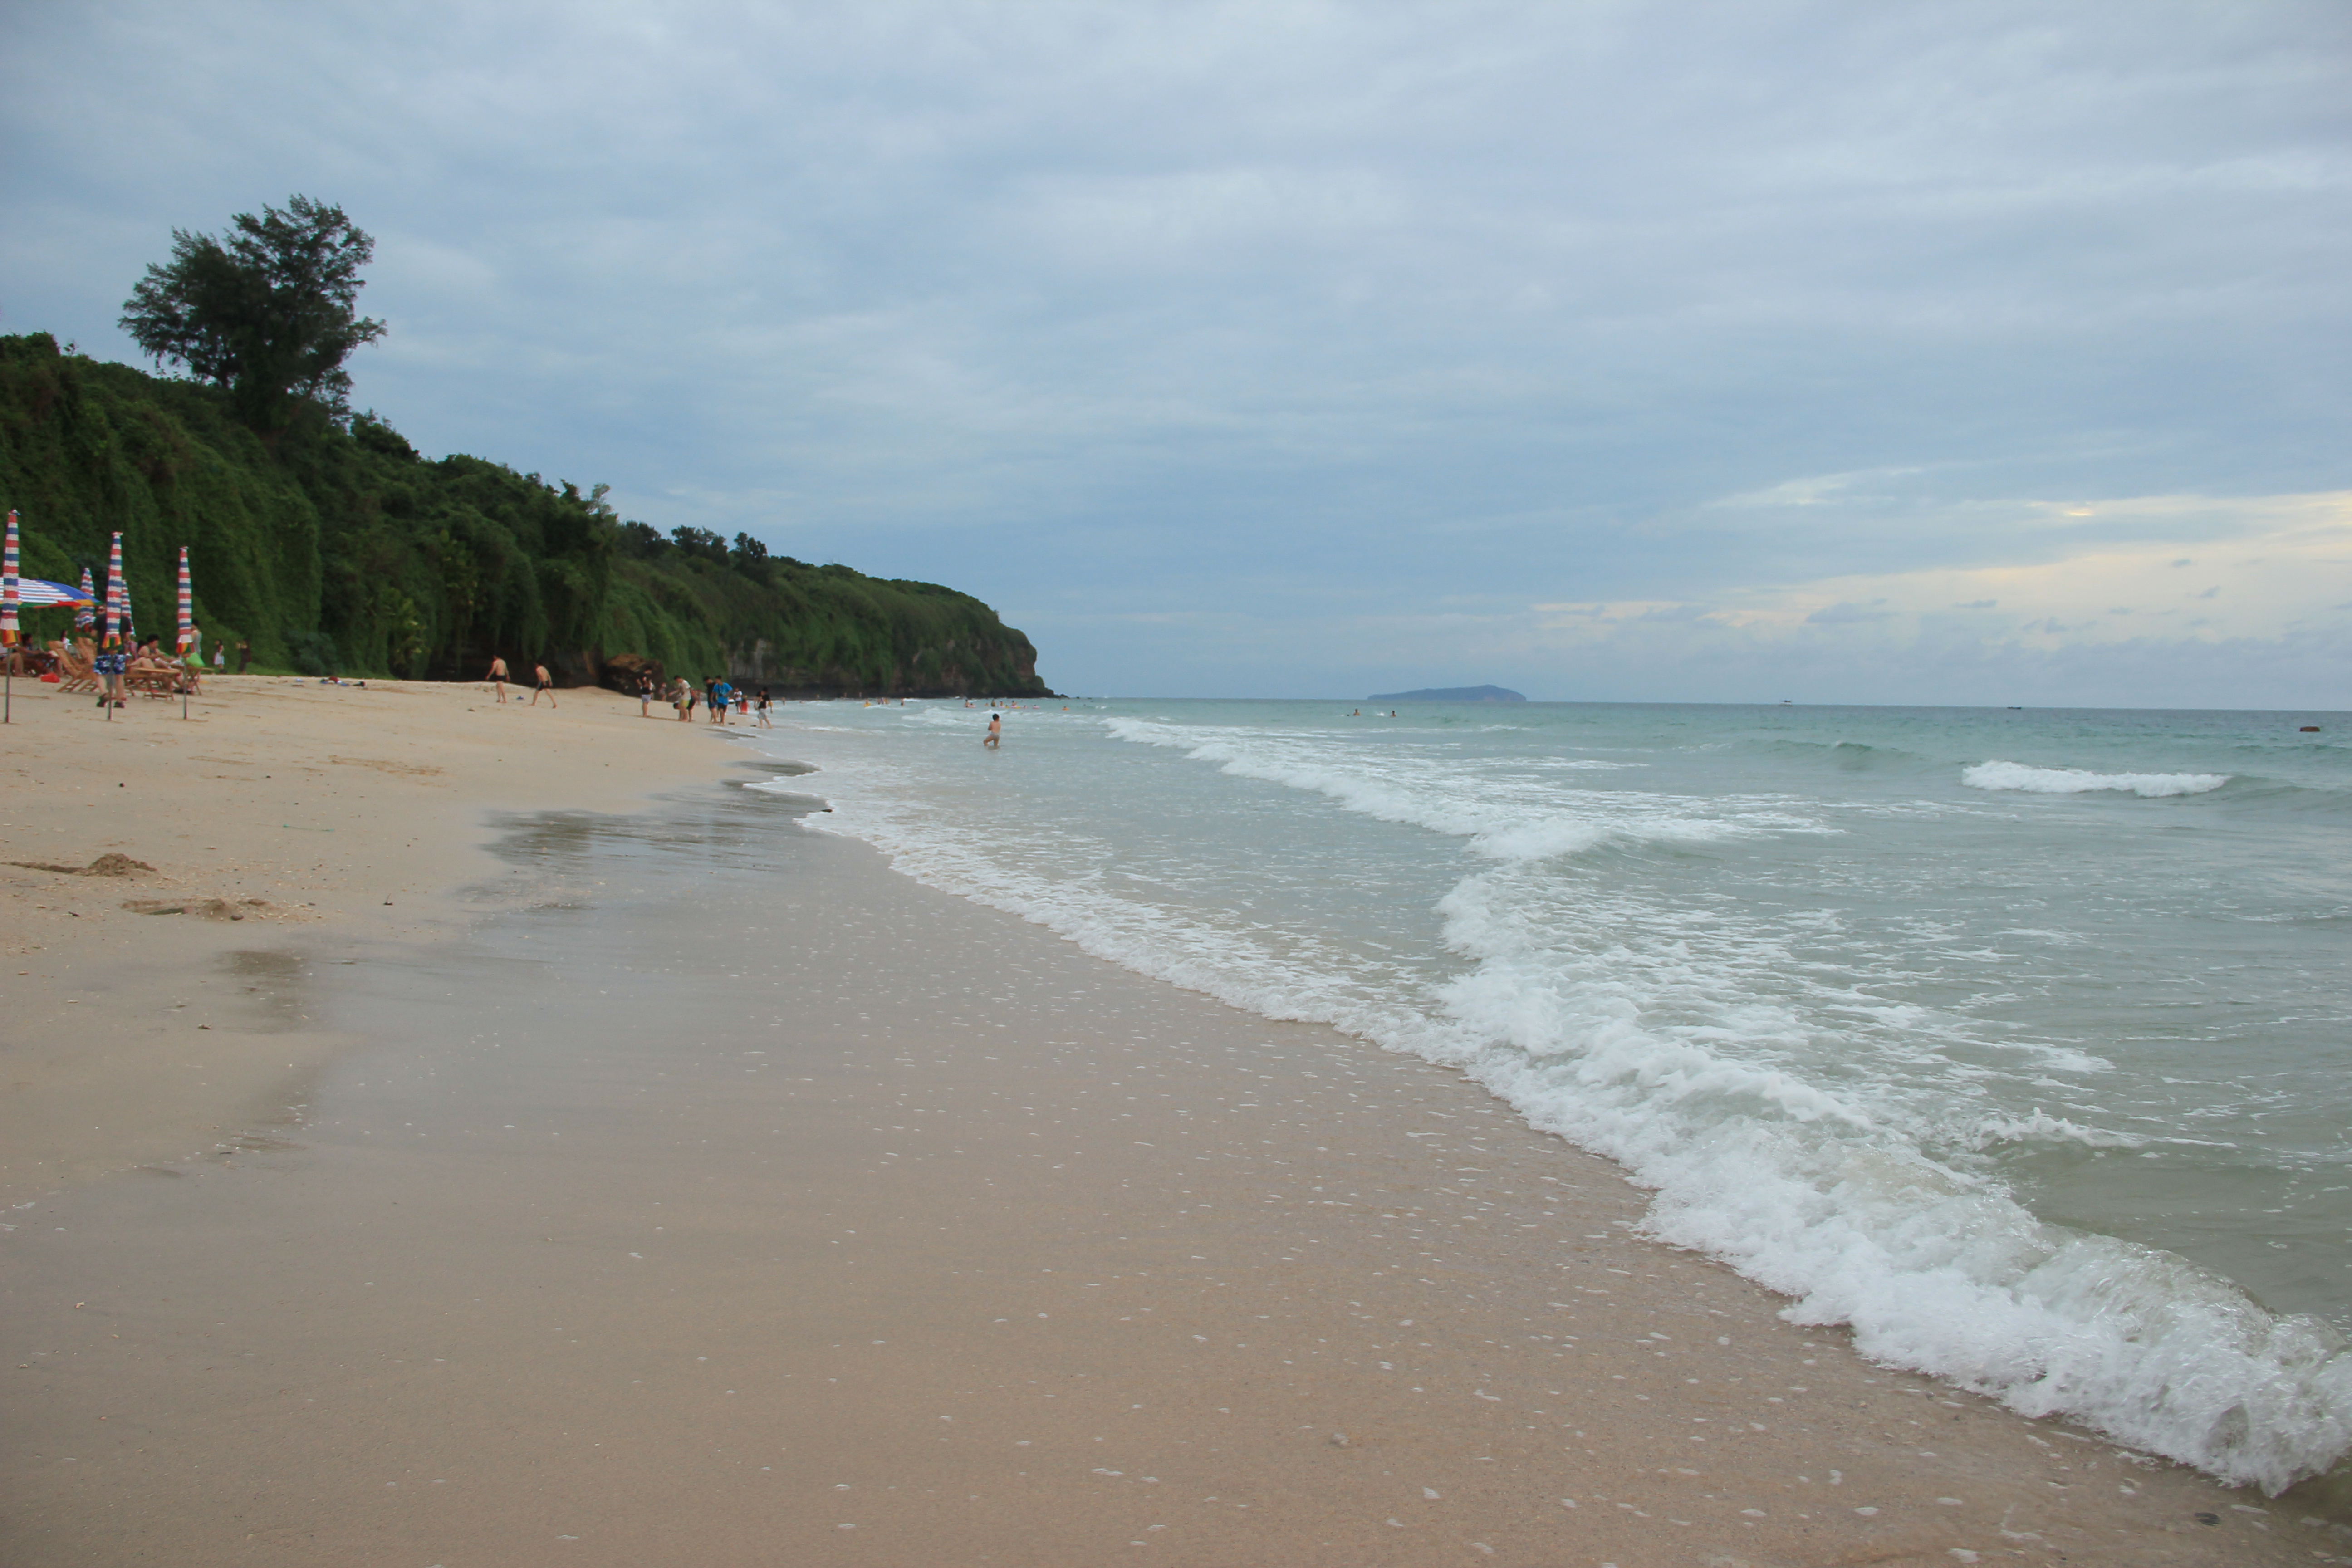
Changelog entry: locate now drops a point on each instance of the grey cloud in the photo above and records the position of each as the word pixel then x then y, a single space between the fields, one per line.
pixel 1250 304
pixel 1847 614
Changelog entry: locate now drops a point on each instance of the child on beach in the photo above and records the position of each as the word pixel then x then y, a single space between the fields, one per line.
pixel 995 731
pixel 764 710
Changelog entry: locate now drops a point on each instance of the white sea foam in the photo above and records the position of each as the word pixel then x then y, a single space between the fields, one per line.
pixel 1503 820
pixel 1997 774
pixel 1782 1114
pixel 2043 1128
pixel 1830 1199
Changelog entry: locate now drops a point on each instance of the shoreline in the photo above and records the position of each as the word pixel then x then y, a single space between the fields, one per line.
pixel 1141 1267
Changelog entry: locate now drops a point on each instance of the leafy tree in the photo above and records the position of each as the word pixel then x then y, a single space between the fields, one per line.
pixel 643 541
pixel 269 311
pixel 701 544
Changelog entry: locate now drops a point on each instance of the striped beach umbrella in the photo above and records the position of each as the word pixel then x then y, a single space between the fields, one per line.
pixel 187 604
pixel 86 613
pixel 117 602
pixel 37 593
pixel 8 586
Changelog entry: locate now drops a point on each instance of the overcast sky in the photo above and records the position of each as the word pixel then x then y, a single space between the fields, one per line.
pixel 1882 352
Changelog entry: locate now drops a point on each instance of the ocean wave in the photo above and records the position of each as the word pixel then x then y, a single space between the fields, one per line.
pixel 2043 1128
pixel 2001 776
pixel 1832 1199
pixel 1690 1053
pixel 1502 819
pixel 1849 756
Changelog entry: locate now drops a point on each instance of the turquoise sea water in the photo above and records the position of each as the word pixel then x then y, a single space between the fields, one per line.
pixel 2017 1040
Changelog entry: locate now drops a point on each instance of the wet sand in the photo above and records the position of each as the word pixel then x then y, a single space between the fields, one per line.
pixel 280 810
pixel 725 1197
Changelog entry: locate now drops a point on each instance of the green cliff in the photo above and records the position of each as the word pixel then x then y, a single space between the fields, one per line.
pixel 340 550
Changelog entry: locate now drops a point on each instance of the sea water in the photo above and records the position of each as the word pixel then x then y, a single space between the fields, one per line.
pixel 2016 1040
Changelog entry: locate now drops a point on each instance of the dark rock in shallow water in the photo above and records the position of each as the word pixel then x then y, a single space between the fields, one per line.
pixel 1450 694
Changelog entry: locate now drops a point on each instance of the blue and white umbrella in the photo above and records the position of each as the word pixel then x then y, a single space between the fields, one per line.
pixel 34 594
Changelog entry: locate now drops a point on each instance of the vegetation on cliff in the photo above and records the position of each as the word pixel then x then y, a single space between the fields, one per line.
pixel 333 547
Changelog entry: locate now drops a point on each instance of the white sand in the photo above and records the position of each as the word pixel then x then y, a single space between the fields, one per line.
pixel 715 1195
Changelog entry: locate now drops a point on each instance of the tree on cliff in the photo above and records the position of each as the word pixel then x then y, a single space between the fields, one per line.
pixel 270 312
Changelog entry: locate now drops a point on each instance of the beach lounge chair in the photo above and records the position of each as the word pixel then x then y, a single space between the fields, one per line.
pixel 74 671
pixel 159 681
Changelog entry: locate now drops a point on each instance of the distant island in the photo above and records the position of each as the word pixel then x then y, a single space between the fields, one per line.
pixel 1450 694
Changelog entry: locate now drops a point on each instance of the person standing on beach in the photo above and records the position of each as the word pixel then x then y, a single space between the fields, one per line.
pixel 996 732
pixel 721 694
pixel 764 710
pixel 243 654
pixel 546 685
pixel 496 677
pixel 644 694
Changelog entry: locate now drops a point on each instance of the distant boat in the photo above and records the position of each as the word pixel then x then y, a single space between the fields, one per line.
pixel 1450 694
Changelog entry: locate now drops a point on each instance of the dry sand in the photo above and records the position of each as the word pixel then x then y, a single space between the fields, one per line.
pixel 662 1183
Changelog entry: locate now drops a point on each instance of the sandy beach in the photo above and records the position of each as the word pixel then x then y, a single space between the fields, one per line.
pixel 483 1135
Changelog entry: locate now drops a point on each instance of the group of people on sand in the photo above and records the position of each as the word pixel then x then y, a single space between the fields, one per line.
pixel 115 668
pixel 497 677
pixel 718 699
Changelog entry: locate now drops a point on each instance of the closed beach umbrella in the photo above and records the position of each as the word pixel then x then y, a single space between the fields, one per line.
pixel 86 613
pixel 187 604
pixel 115 598
pixel 8 623
pixel 8 586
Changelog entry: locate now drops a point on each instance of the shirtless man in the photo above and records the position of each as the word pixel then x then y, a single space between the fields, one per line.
pixel 995 731
pixel 546 685
pixel 498 676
